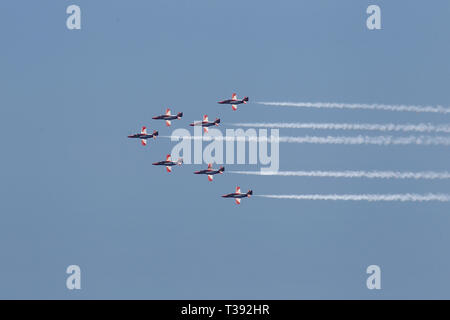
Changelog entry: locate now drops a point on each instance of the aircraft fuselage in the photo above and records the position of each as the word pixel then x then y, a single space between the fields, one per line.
pixel 165 163
pixel 231 101
pixel 235 195
pixel 205 123
pixel 141 136
pixel 208 171
pixel 165 117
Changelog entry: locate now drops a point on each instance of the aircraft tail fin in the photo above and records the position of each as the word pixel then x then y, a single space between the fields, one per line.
pixel 179 115
pixel 217 121
pixel 221 169
pixel 155 133
pixel 180 161
pixel 245 100
pixel 249 193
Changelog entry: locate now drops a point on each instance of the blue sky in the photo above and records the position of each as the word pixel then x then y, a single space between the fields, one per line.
pixel 75 190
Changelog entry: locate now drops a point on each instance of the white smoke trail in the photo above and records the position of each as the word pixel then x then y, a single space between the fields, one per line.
pixel 356 140
pixel 421 127
pixel 378 140
pixel 334 105
pixel 432 175
pixel 363 197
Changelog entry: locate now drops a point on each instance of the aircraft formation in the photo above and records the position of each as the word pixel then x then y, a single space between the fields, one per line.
pixel 205 123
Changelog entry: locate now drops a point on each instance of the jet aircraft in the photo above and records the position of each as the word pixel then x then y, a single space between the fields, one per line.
pixel 210 171
pixel 168 116
pixel 169 163
pixel 238 195
pixel 205 123
pixel 234 101
pixel 144 136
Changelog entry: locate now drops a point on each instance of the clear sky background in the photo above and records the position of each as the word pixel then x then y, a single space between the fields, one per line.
pixel 75 190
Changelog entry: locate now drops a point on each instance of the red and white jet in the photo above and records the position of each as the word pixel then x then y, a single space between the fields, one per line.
pixel 238 195
pixel 210 171
pixel 144 135
pixel 169 163
pixel 234 101
pixel 205 123
pixel 169 117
